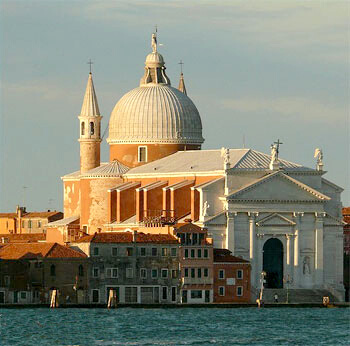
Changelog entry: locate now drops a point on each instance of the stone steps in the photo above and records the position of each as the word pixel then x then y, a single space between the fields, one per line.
pixel 297 295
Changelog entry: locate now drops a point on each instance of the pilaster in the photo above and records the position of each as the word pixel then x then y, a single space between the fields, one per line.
pixel 230 231
pixel 319 248
pixel 297 265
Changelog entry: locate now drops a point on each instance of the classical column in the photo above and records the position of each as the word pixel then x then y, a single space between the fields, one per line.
pixel 319 249
pixel 259 258
pixel 230 231
pixel 288 255
pixel 297 270
pixel 252 250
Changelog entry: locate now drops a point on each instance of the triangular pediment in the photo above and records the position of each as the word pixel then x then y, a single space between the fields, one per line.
pixel 330 220
pixel 278 187
pixel 275 219
pixel 218 219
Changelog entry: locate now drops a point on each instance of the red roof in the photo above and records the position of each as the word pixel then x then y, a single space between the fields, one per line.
pixel 9 215
pixel 15 251
pixel 23 238
pixel 42 214
pixel 127 237
pixel 224 255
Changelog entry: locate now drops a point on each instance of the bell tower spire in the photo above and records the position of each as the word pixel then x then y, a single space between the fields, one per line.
pixel 90 128
pixel 182 86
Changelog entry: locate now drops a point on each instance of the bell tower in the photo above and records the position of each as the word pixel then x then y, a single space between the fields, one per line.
pixel 90 129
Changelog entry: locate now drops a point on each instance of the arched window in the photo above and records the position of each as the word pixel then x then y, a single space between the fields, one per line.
pixel 82 128
pixel 81 270
pixel 53 270
pixel 92 128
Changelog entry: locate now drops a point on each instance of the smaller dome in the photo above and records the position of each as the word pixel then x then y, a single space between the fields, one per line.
pixel 153 59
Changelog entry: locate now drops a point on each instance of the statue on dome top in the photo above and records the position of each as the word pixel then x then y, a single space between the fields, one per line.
pixel 154 43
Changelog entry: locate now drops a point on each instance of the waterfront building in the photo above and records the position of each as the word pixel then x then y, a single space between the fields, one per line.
pixel 30 271
pixel 346 220
pixel 282 217
pixel 196 264
pixel 231 278
pixel 27 222
pixel 141 268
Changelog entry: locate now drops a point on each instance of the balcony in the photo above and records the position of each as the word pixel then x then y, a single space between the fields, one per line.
pixel 197 281
pixel 158 218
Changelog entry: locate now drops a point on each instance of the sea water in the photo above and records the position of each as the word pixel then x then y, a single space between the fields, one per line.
pixel 183 326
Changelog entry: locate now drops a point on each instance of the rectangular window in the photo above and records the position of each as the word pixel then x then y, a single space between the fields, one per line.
pixel 95 272
pixel 206 272
pixel 95 251
pixel 39 224
pixel 164 251
pixel 173 294
pixel 192 253
pixel 129 273
pixel 143 251
pixel 186 253
pixel 199 273
pixel 239 274
pixel 95 296
pixel 222 274
pixel 6 280
pixel 164 293
pixel 196 294
pixel 174 273
pixel 111 273
pixel 154 251
pixel 186 272
pixel 206 253
pixel 221 291
pixel 129 251
pixel 173 252
pixel 114 251
pixel 239 291
pixel 164 273
pixel 22 224
pixel 23 295
pixel 194 238
pixel 130 294
pixel 193 272
pixel 142 154
pixel 199 253
pixel 29 223
pixel 154 273
pixel 143 273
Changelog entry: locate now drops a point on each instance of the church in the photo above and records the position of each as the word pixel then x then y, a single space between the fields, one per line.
pixel 281 216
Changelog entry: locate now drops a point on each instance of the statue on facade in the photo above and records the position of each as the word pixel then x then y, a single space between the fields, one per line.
pixel 206 206
pixel 154 42
pixel 274 152
pixel 225 154
pixel 306 266
pixel 319 155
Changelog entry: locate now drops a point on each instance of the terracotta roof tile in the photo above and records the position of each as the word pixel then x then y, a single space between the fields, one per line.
pixel 224 255
pixel 23 238
pixel 190 227
pixel 127 237
pixel 38 250
pixel 41 214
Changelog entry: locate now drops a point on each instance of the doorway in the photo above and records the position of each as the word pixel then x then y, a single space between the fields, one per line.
pixel 273 263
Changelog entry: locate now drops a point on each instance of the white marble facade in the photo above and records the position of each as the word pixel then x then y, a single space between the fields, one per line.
pixel 298 207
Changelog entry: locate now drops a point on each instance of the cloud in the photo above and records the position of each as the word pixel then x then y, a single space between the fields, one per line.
pixel 319 29
pixel 300 109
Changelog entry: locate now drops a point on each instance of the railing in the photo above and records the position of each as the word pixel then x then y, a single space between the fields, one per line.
pixel 159 218
pixel 197 281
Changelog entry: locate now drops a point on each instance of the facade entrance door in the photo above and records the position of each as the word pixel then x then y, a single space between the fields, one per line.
pixel 273 263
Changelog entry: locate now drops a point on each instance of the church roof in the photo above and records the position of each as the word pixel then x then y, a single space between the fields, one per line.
pixel 203 161
pixel 155 112
pixel 111 169
pixel 106 169
pixel 90 105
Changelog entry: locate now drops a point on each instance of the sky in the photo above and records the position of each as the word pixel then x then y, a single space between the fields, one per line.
pixel 257 71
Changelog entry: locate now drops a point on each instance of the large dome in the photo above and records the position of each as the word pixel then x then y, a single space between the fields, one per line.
pixel 155 113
